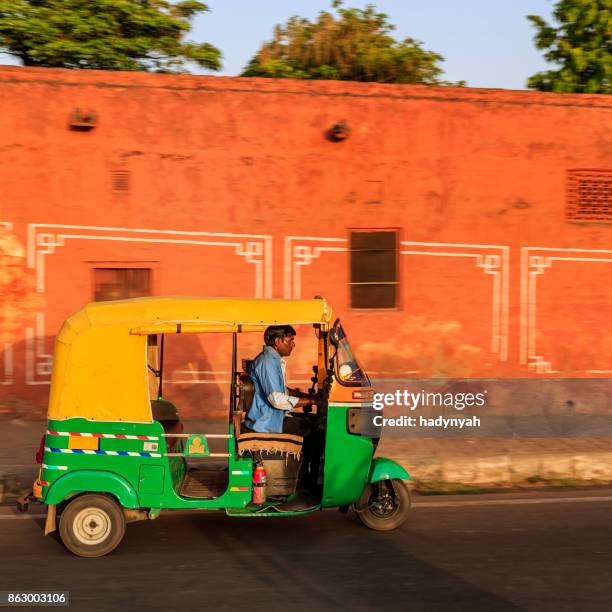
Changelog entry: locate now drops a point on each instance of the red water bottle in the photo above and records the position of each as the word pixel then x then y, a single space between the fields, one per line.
pixel 259 484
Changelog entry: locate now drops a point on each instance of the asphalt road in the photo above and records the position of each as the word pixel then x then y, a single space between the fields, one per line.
pixel 536 551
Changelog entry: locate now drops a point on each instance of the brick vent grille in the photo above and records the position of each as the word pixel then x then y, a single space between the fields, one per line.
pixel 589 195
pixel 121 180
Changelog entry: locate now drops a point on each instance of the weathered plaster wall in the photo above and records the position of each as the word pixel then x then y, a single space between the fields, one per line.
pixel 239 192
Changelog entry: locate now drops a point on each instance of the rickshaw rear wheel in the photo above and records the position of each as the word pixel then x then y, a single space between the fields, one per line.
pixel 384 505
pixel 92 525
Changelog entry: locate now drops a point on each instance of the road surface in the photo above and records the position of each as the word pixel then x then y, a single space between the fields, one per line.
pixel 534 551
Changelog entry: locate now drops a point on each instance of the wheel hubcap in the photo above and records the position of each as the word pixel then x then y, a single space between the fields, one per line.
pixel 383 505
pixel 91 526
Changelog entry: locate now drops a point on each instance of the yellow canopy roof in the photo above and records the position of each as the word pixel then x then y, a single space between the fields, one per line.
pixel 99 368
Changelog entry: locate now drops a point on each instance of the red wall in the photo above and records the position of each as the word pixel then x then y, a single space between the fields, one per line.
pixel 494 280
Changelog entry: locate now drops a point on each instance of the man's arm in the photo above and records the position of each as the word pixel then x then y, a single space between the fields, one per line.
pixel 282 401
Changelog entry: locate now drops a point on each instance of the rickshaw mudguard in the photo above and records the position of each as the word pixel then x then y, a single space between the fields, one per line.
pixel 386 469
pixel 92 481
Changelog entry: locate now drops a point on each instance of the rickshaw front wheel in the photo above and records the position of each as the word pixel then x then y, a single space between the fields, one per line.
pixel 384 505
pixel 92 525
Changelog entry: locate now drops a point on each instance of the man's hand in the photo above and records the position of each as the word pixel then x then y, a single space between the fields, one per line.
pixel 303 402
pixel 307 401
pixel 297 393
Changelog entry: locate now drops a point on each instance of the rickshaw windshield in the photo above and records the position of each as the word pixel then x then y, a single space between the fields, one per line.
pixel 347 370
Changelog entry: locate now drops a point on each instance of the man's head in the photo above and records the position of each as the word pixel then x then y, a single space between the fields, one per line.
pixel 281 338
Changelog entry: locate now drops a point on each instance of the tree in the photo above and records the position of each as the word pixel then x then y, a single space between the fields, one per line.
pixel 581 45
pixel 104 34
pixel 353 45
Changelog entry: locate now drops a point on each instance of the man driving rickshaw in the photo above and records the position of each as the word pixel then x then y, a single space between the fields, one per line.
pixel 273 402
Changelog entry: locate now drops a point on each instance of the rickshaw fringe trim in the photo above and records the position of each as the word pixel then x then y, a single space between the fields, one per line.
pixel 271 443
pixel 78 451
pixel 272 450
pixel 100 435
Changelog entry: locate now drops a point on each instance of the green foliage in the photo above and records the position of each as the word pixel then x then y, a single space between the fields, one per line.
pixel 352 45
pixel 104 34
pixel 581 46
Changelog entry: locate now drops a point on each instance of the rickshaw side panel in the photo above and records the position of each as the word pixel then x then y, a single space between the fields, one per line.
pixel 135 454
pixel 347 460
pixel 105 457
pixel 93 481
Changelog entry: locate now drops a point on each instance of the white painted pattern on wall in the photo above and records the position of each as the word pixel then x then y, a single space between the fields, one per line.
pixel 300 251
pixel 491 259
pixel 534 262
pixel 45 239
pixel 494 260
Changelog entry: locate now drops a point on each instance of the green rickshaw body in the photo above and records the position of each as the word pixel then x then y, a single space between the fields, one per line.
pixel 347 460
pixel 121 467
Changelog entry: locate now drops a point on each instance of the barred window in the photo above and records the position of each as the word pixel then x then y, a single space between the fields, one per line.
pixel 373 269
pixel 589 195
pixel 121 283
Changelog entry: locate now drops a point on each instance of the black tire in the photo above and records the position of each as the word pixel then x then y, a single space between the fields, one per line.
pixel 92 525
pixel 384 505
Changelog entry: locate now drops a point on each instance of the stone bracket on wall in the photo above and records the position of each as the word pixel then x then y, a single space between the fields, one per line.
pixel 45 239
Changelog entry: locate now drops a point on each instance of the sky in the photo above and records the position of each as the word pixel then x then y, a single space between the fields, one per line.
pixel 487 43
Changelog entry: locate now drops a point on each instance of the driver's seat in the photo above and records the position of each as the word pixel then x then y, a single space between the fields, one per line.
pixel 246 392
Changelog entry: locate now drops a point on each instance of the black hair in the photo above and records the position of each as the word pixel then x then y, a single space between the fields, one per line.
pixel 277 331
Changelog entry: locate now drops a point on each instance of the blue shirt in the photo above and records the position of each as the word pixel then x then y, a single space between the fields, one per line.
pixel 267 374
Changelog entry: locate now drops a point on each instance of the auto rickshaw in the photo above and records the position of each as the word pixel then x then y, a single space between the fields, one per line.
pixel 114 452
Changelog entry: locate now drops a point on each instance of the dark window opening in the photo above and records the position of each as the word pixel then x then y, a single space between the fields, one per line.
pixel 121 283
pixel 373 269
pixel 589 195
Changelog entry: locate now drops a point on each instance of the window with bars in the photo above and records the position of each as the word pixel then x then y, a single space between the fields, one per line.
pixel 374 277
pixel 121 283
pixel 589 195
